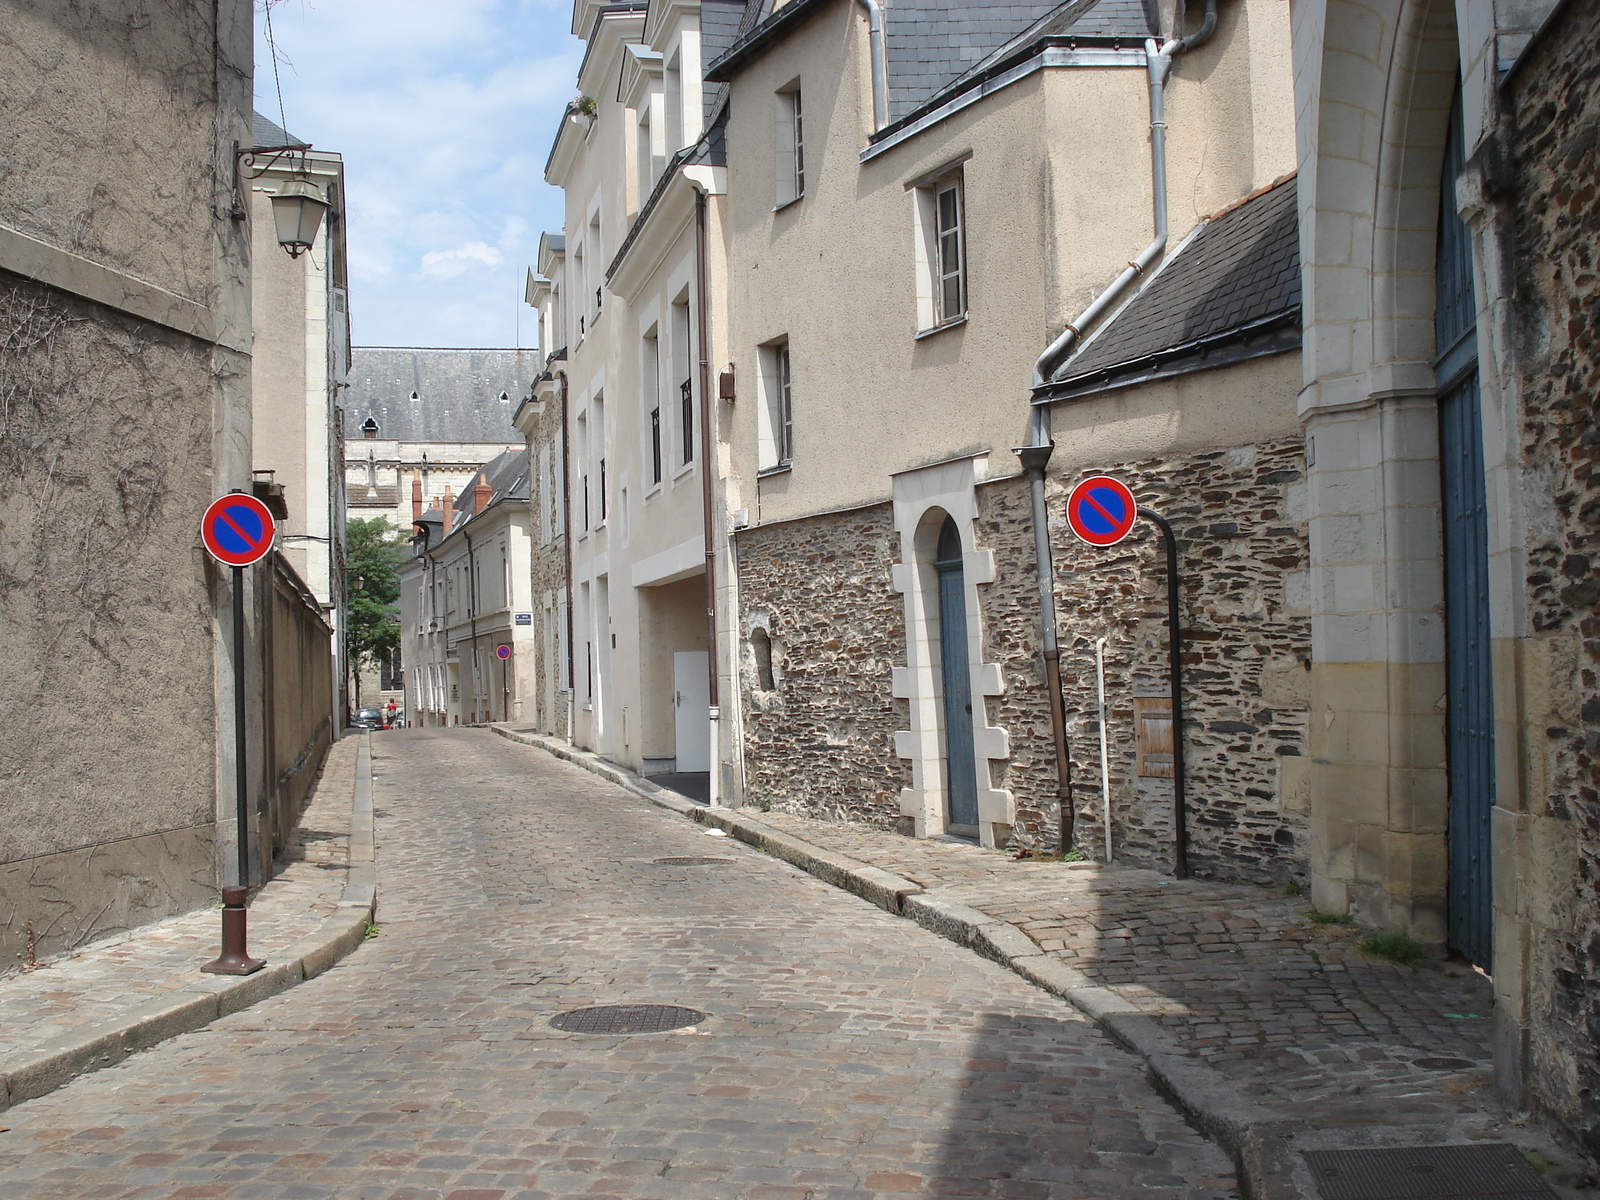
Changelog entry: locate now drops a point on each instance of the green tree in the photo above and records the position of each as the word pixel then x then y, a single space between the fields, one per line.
pixel 373 552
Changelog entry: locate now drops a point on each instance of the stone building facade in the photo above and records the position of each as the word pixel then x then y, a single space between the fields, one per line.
pixel 1552 123
pixel 125 384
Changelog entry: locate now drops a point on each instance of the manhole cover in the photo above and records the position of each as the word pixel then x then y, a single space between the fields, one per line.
pixel 1443 1064
pixel 691 860
pixel 1426 1173
pixel 627 1018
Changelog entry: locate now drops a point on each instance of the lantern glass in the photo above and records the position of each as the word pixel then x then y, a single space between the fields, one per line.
pixel 297 211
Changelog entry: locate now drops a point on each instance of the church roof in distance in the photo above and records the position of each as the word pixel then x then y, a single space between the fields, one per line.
pixel 421 394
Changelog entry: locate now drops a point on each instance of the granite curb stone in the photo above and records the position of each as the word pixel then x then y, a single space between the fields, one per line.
pixel 36 1072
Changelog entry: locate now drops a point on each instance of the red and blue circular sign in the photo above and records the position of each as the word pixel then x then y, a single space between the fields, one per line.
pixel 1101 510
pixel 238 530
pixel 502 652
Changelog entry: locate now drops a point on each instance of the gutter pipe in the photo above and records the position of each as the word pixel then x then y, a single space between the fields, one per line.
pixel 1035 455
pixel 707 459
pixel 880 71
pixel 566 543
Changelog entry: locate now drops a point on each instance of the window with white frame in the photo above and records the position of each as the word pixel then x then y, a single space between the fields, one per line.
pixel 683 372
pixel 790 146
pixel 942 252
pixel 650 375
pixel 775 447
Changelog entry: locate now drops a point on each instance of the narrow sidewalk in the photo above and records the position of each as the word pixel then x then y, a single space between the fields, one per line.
pixel 90 1008
pixel 1274 1032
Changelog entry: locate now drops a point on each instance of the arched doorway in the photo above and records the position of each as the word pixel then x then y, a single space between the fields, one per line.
pixel 961 785
pixel 1469 722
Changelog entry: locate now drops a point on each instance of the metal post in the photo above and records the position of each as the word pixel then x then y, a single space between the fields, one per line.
pixel 234 959
pixel 1175 659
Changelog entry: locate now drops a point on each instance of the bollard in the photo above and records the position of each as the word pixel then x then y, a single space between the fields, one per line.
pixel 233 960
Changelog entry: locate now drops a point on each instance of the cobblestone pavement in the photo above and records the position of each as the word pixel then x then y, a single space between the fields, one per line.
pixel 847 1055
pixel 97 981
pixel 1240 976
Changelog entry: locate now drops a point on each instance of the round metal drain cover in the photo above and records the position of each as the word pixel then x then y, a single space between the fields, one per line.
pixel 691 860
pixel 1443 1064
pixel 627 1018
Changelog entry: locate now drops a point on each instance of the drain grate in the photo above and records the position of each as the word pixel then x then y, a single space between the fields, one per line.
pixel 1426 1173
pixel 691 860
pixel 627 1018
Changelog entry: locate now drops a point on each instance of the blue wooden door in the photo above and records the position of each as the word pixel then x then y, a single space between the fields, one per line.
pixel 1469 681
pixel 961 785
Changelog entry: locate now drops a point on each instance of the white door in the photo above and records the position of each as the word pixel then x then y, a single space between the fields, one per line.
pixel 691 710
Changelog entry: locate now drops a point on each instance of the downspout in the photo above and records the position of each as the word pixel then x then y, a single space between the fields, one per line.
pixel 472 620
pixel 880 72
pixel 566 541
pixel 707 459
pixel 1036 455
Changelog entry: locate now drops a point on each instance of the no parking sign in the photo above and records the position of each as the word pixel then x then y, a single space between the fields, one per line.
pixel 238 530
pixel 1102 510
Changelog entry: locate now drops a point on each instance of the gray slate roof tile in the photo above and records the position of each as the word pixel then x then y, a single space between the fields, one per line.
pixel 458 393
pixel 1241 269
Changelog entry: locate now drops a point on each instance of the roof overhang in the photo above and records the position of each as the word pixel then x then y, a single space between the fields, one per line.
pixel 761 39
pixel 660 224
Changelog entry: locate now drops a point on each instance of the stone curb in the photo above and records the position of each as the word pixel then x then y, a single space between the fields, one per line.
pixel 34 1073
pixel 1257 1139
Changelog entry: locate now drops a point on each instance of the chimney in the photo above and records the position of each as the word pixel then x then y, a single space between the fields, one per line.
pixel 416 496
pixel 481 494
pixel 445 507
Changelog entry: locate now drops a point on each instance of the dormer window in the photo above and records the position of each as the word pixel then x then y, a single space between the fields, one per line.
pixel 505 398
pixel 369 428
pixel 415 397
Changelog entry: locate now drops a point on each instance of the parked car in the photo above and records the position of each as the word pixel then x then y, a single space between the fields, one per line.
pixel 369 718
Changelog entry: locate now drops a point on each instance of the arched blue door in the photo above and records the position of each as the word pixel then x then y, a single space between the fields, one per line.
pixel 961 794
pixel 1470 699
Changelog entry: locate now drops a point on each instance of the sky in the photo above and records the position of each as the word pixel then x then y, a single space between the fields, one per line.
pixel 444 111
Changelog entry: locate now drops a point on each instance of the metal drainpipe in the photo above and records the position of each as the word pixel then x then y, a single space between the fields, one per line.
pixel 472 620
pixel 1035 456
pixel 880 72
pixel 566 543
pixel 707 457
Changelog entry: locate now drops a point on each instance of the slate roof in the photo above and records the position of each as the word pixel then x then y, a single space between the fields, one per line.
pixel 933 47
pixel 458 393
pixel 1231 291
pixel 267 133
pixel 506 474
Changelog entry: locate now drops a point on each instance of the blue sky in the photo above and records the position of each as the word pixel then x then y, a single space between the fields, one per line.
pixel 444 111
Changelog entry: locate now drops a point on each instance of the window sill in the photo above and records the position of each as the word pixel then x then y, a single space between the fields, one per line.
pixel 953 323
pixel 778 208
pixel 655 490
pixel 782 468
pixel 683 472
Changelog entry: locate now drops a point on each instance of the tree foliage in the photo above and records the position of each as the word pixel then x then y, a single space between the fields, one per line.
pixel 374 550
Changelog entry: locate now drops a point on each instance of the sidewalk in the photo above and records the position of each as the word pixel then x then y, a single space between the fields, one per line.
pixel 91 1008
pixel 1273 1033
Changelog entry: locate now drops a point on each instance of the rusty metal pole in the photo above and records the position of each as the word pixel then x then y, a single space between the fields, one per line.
pixel 234 960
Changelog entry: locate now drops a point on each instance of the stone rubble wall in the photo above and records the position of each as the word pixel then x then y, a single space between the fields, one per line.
pixel 1246 653
pixel 1554 137
pixel 821 742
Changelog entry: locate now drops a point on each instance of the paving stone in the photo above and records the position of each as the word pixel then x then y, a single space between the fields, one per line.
pixel 1291 1011
pixel 842 1045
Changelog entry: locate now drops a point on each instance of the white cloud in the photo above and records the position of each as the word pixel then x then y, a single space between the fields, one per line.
pixel 444 114
pixel 450 263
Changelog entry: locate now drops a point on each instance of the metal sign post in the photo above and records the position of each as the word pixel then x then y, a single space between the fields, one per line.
pixel 1102 511
pixel 238 530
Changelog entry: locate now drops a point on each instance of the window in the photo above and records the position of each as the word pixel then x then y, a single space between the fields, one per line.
pixel 597 430
pixel 650 371
pixel 683 368
pixel 791 150
pixel 761 645
pixel 942 256
pixel 775 450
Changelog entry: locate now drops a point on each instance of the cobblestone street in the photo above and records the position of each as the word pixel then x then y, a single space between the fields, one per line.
pixel 845 1054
